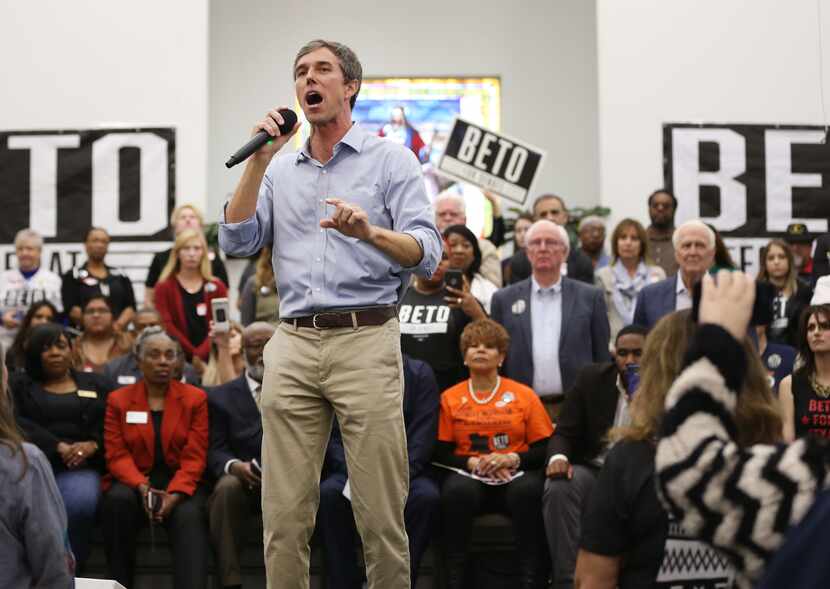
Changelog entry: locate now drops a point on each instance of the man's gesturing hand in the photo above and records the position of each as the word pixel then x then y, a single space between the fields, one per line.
pixel 349 220
pixel 728 302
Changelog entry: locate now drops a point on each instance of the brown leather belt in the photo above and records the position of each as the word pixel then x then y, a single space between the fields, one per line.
pixel 353 319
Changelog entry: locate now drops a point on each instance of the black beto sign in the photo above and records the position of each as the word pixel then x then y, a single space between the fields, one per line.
pixel 749 181
pixel 492 161
pixel 61 183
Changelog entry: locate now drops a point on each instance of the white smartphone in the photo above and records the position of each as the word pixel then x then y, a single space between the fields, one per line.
pixel 221 315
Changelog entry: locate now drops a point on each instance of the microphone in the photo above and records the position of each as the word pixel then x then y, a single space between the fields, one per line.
pixel 289 120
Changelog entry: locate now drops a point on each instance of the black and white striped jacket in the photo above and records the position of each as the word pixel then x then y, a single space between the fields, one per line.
pixel 742 501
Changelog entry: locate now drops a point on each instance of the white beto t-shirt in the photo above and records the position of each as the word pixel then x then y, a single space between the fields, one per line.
pixel 18 294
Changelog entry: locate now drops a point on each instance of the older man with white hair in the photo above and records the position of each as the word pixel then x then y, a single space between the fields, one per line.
pixel 694 251
pixel 451 209
pixel 26 284
pixel 556 324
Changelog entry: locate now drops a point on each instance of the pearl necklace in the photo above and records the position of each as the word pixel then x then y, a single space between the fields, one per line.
pixel 489 398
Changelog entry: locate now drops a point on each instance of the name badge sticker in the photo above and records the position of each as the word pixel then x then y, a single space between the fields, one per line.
pixel 136 417
pixel 88 394
pixel 126 379
pixel 201 309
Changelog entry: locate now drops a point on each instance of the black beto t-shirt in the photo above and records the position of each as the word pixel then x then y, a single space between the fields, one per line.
pixel 78 286
pixel 624 517
pixel 430 331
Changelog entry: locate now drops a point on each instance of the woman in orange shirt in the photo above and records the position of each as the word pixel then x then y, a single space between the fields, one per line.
pixel 491 429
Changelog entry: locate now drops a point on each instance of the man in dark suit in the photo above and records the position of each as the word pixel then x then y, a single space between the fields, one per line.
pixel 578 265
pixel 598 401
pixel 694 250
pixel 335 520
pixel 556 324
pixel 235 454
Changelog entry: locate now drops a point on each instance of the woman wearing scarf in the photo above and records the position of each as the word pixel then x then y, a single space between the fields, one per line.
pixel 629 271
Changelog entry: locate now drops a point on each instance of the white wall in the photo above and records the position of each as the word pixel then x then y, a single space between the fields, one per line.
pixel 713 61
pixel 86 63
pixel 543 50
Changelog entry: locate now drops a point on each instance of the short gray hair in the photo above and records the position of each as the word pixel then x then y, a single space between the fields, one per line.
pixel 694 224
pixel 452 197
pixel 28 234
pixel 149 334
pixel 349 63
pixel 591 220
pixel 563 233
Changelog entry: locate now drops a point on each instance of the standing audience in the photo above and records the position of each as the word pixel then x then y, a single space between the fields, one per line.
pixel 493 428
pixel 792 295
pixel 27 284
pixel 95 278
pixel 61 411
pixel 465 255
pixel 33 547
pixel 591 235
pixel 801 243
pixel 156 438
pixel 556 324
pixel 100 342
pixel 184 293
pixel 259 300
pixel 630 271
pixel 662 206
pixel 523 222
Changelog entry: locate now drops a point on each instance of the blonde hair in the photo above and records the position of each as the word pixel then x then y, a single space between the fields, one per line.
pixel 211 376
pixel 791 283
pixel 757 416
pixel 171 268
pixel 264 274
pixel 174 216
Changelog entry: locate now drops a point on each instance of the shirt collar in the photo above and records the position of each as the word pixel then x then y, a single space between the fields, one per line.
pixel 537 288
pixel 680 286
pixel 354 138
pixel 252 384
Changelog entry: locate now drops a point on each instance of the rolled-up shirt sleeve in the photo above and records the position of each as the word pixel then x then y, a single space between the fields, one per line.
pixel 412 212
pixel 247 237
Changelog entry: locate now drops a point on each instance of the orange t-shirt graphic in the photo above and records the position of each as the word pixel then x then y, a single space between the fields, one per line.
pixel 512 420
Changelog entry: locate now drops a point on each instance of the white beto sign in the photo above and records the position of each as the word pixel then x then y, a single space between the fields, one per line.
pixel 61 183
pixel 492 161
pixel 748 181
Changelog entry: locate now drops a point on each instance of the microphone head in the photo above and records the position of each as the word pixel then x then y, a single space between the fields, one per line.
pixel 290 119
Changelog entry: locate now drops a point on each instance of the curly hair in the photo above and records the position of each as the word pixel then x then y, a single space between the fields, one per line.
pixel 487 332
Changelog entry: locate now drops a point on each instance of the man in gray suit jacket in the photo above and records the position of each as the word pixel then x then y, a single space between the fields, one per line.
pixel 556 324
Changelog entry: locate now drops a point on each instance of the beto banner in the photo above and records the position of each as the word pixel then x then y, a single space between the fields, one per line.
pixel 61 183
pixel 492 161
pixel 748 181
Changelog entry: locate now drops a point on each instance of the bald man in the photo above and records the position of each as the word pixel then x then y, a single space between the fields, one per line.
pixel 235 452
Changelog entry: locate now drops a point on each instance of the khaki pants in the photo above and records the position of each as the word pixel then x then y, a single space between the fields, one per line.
pixel 357 375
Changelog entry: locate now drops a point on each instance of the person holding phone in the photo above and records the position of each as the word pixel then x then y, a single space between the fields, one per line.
pixel 465 255
pixel 156 440
pixel 184 293
pixel 599 400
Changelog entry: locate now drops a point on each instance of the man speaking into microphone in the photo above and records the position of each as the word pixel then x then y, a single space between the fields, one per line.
pixel 350 221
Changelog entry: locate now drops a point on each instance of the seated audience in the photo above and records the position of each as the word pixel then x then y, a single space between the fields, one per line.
pixel 226 361
pixel 591 234
pixel 335 520
pixel 450 209
pixel 694 249
pixel 493 428
pixel 156 439
pixel 792 295
pixel 184 217
pixel 629 272
pixel 259 300
pixel 523 222
pixel 25 285
pixel 599 400
pixel 39 313
pixel 778 359
pixel 100 342
pixel 95 278
pixel 33 548
pixel 577 266
pixel 803 395
pixel 61 411
pixel 556 324
pixel 184 293
pixel 747 501
pixel 464 255
pixel 431 321
pixel 661 208
pixel 624 528
pixel 235 455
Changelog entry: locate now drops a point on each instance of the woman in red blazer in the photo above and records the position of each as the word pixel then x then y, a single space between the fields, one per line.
pixel 184 291
pixel 156 441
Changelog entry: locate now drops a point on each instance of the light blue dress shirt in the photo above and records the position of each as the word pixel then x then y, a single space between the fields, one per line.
pixel 546 329
pixel 322 269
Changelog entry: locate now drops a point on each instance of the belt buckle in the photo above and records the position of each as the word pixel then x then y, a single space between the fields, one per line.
pixel 314 321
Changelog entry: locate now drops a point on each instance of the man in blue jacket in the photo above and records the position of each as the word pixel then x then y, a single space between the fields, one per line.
pixel 335 520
